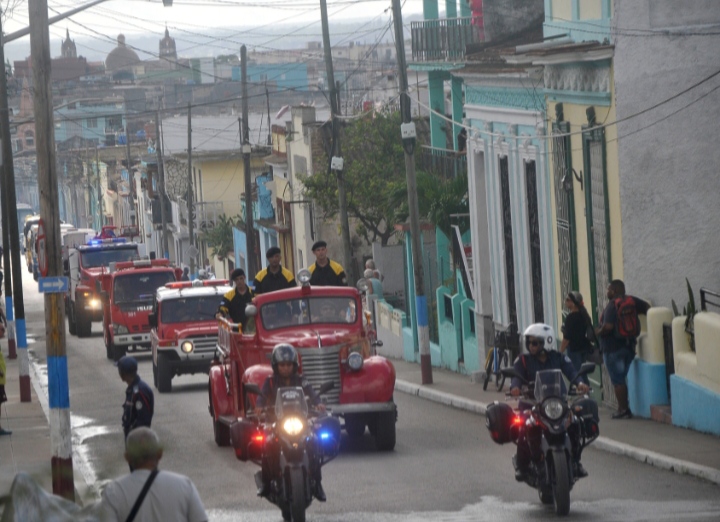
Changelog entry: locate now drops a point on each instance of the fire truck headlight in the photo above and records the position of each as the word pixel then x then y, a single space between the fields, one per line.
pixel 355 361
pixel 293 426
pixel 94 303
pixel 119 329
pixel 187 347
pixel 303 276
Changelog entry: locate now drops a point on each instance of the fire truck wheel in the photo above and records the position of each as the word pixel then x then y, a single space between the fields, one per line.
pixel 155 377
pixel 222 433
pixel 72 326
pixel 354 426
pixel 83 323
pixel 117 351
pixel 385 431
pixel 164 374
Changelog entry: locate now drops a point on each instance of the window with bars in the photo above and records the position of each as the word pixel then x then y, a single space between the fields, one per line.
pixel 534 232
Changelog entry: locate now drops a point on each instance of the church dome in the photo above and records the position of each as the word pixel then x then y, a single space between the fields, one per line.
pixel 122 57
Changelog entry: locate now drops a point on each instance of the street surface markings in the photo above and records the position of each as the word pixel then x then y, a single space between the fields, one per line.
pixel 493 509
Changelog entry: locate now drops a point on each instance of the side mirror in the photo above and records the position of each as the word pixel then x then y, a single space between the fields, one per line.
pixel 586 368
pixel 510 372
pixel 251 310
pixel 377 342
pixel 326 387
pixel 152 320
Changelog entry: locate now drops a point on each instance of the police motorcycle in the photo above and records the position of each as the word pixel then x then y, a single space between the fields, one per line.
pixel 297 441
pixel 543 412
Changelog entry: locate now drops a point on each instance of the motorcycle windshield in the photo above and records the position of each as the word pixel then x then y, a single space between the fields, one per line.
pixel 290 400
pixel 548 383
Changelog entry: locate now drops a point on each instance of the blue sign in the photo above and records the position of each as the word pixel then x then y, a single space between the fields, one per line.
pixel 53 285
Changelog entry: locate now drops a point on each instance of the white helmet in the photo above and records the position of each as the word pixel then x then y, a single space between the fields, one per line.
pixel 541 331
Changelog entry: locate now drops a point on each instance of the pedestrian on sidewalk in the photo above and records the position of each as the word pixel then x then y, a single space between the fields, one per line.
pixel 575 343
pixel 148 494
pixel 139 399
pixel 618 332
pixel 3 380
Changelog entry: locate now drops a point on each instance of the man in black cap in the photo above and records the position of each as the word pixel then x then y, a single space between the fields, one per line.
pixel 275 276
pixel 139 399
pixel 324 271
pixel 234 302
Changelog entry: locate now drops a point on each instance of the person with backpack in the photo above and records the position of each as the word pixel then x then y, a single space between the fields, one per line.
pixel 618 332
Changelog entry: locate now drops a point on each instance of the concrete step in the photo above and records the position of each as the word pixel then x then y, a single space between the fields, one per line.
pixel 661 413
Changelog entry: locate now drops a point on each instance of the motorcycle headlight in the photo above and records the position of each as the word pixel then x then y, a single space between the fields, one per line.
pixel 120 329
pixel 94 303
pixel 187 347
pixel 553 409
pixel 355 361
pixel 293 426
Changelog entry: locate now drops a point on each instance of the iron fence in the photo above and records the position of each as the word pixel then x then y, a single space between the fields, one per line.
pixel 444 39
pixel 446 164
pixel 704 301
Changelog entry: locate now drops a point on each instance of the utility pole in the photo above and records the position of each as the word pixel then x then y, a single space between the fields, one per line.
pixel 161 186
pixel 407 131
pixel 246 150
pixel 57 366
pixel 267 97
pixel 189 191
pixel 129 170
pixel 336 162
pixel 99 190
pixel 6 164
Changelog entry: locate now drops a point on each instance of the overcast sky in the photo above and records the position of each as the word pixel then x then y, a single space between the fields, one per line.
pixel 189 21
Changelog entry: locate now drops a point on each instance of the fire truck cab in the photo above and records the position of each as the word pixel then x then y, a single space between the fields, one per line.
pixel 184 331
pixel 328 328
pixel 128 290
pixel 85 265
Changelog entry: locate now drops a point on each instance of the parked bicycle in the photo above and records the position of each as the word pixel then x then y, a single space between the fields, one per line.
pixel 497 358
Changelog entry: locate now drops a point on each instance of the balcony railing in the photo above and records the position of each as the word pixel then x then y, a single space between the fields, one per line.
pixel 446 164
pixel 207 213
pixel 444 39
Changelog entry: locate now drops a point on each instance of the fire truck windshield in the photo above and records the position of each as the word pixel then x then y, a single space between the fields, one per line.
pixel 313 310
pixel 135 287
pixel 98 258
pixel 189 309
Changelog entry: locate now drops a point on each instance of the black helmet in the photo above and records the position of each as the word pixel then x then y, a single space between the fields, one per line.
pixel 284 352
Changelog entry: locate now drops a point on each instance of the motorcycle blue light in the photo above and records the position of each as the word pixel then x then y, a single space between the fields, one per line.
pixel 324 435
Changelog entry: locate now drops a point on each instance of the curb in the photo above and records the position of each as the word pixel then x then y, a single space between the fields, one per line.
pixel 681 467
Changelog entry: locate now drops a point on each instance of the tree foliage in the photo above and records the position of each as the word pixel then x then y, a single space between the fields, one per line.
pixel 220 238
pixel 374 173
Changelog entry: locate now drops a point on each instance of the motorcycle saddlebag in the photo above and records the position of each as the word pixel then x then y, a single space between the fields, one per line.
pixel 586 410
pixel 241 436
pixel 498 419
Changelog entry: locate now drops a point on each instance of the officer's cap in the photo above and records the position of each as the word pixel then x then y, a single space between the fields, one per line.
pixel 127 365
pixel 318 244
pixel 272 251
pixel 237 273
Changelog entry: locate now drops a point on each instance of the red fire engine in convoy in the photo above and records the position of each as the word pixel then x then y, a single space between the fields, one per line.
pixel 327 326
pixel 128 290
pixel 85 264
pixel 184 329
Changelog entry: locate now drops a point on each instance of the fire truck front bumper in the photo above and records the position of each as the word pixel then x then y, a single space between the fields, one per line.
pixel 366 407
pixel 138 339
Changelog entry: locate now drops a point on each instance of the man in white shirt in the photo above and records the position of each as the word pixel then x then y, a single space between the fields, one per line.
pixel 171 496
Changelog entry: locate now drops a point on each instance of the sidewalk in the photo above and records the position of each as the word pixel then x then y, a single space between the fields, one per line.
pixel 29 448
pixel 662 445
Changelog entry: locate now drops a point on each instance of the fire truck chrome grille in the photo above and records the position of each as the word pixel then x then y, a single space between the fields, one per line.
pixel 320 365
pixel 204 343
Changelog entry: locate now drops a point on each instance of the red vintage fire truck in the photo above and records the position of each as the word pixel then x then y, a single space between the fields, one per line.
pixel 184 330
pixel 128 290
pixel 329 330
pixel 84 266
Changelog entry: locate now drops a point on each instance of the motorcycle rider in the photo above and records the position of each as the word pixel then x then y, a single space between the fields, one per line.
pixel 284 361
pixel 543 355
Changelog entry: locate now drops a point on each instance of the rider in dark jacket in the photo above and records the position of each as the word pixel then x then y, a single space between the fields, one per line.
pixel 284 361
pixel 542 355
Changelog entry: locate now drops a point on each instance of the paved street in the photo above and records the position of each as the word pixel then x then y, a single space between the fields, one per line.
pixel 445 467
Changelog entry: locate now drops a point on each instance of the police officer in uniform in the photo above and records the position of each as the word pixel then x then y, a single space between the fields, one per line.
pixel 234 302
pixel 324 271
pixel 275 276
pixel 139 399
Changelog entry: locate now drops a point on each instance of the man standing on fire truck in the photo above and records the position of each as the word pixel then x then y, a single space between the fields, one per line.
pixel 275 276
pixel 234 302
pixel 325 271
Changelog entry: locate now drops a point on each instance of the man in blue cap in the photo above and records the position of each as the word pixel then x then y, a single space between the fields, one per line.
pixel 139 399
